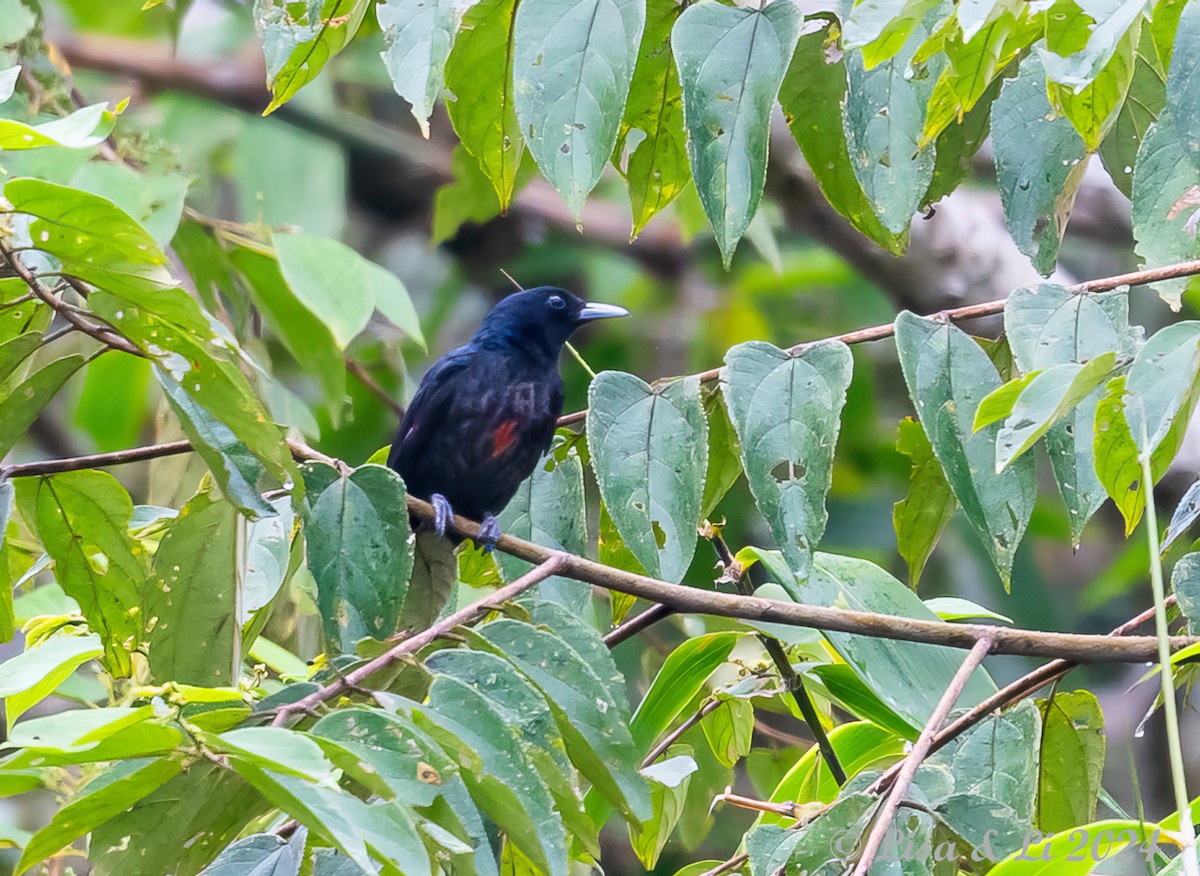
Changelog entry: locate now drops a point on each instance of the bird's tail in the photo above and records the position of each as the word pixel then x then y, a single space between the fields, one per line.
pixel 435 573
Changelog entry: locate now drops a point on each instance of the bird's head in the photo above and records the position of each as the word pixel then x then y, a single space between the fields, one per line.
pixel 540 319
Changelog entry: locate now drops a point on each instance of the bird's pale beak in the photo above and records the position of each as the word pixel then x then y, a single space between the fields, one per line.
pixel 600 311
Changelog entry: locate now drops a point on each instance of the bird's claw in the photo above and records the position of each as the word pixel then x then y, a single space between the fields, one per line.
pixel 442 513
pixel 489 533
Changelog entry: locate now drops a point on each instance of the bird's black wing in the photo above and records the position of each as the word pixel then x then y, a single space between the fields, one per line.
pixel 428 409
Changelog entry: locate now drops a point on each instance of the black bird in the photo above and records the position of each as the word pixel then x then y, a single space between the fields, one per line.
pixel 485 413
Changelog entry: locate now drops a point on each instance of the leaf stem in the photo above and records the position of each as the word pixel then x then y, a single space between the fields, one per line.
pixel 1191 867
pixel 578 358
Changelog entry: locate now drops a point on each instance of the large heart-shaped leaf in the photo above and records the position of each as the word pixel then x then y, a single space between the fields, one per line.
pixel 786 408
pixel 573 61
pixel 731 62
pixel 948 374
pixel 649 448
pixel 360 550
pixel 417 35
pixel 1048 325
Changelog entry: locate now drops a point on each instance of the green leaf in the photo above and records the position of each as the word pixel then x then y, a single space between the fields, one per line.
pixel 502 781
pixel 1102 38
pixel 1071 758
pixel 83 522
pixel 908 677
pixel 179 827
pixel 586 642
pixel 191 598
pixel 883 121
pixel 22 404
pixel 813 96
pixel 592 723
pixel 1117 461
pixel 947 374
pixel 731 63
pixel 954 608
pixel 30 677
pixel 154 200
pixel 479 76
pixel 1144 100
pixel 649 449
pixel 467 198
pixel 1058 855
pixel 1040 161
pixel 668 791
pixel 859 745
pixel 787 409
pixel 920 517
pixel 82 129
pixel 724 455
pixel 549 510
pixel 1167 171
pixel 238 471
pixel 299 38
pixel 94 239
pixel 1093 107
pixel 880 30
pixel 838 832
pixel 114 402
pixel 656 169
pixel 529 722
pixel 570 82
pixel 1162 384
pixel 1184 516
pixel 1048 325
pixel 409 764
pixel 360 550
pixel 1185 584
pixel 1049 397
pixel 298 327
pixel 90 736
pixel 263 854
pixel 417 35
pixel 106 796
pixel 331 280
pixel 16 318
pixel 729 729
pixel 275 748
pixel 844 686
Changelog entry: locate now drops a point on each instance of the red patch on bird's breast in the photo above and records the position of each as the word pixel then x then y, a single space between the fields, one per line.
pixel 503 437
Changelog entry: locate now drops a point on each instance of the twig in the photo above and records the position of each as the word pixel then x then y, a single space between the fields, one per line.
pixel 730 865
pixel 100 333
pixel 793 682
pixel 465 615
pixel 787 810
pixel 636 624
pixel 671 738
pixel 970 311
pixel 883 820
pixel 364 377
pixel 95 460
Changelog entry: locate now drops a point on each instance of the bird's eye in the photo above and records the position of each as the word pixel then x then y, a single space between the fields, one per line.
pixel 556 302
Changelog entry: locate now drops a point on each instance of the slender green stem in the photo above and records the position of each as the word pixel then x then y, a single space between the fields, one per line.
pixel 1191 866
pixel 578 358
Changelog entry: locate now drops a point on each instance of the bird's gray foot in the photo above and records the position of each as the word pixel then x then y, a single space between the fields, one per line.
pixel 442 513
pixel 489 533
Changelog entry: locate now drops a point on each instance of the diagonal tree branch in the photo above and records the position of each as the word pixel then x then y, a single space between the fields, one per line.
pixel 354 679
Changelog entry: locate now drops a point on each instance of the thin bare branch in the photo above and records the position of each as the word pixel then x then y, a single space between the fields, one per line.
pixel 636 624
pixel 908 769
pixel 355 679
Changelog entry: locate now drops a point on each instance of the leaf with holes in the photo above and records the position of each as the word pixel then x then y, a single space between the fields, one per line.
pixel 299 39
pixel 360 550
pixel 417 35
pixel 786 409
pixel 1049 325
pixel 573 61
pixel 947 376
pixel 649 449
pixel 731 63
